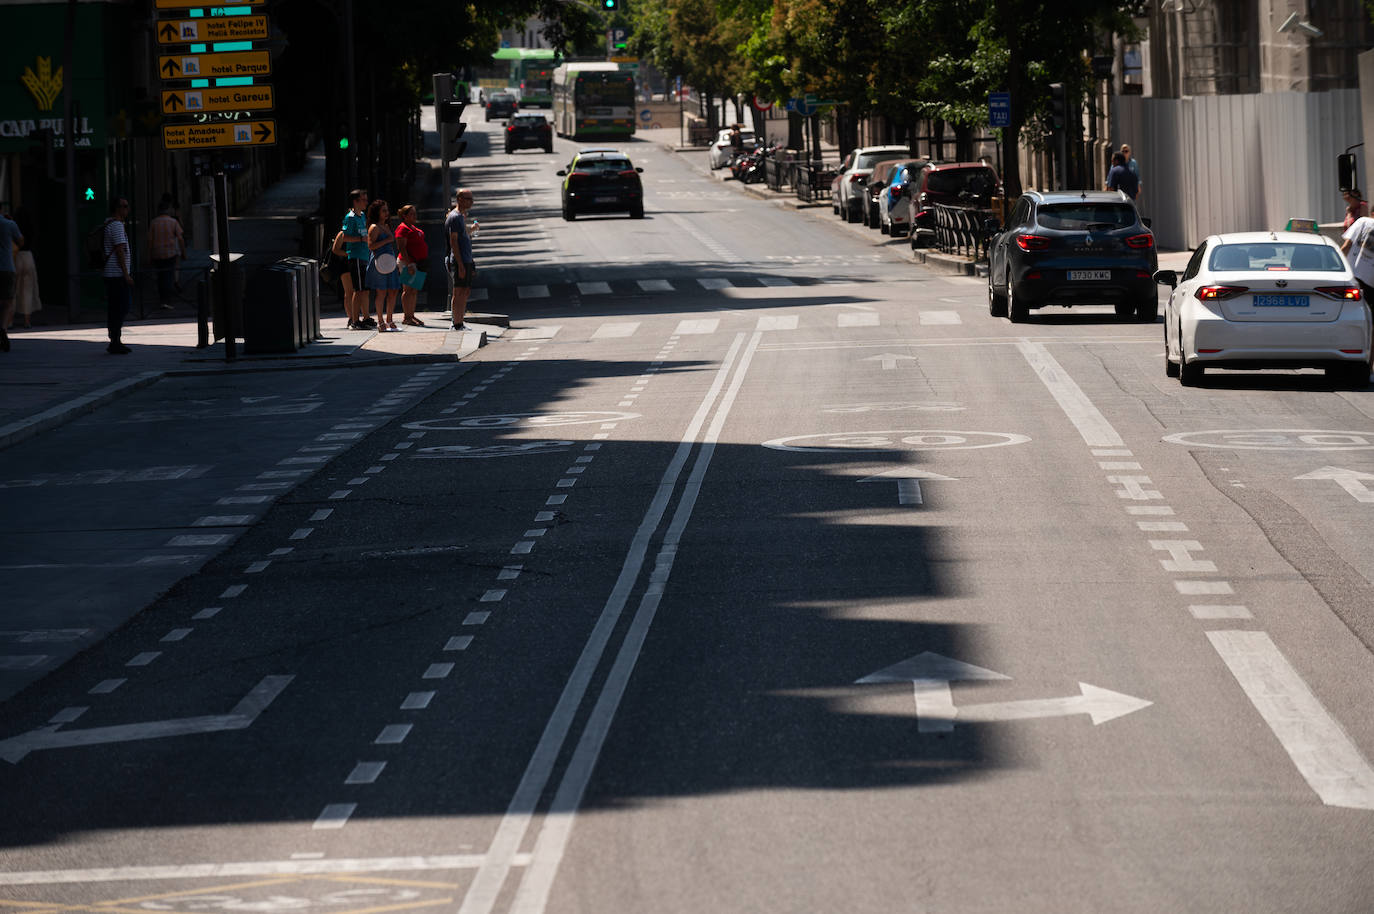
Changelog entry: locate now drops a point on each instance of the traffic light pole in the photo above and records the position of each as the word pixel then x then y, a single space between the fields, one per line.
pixel 69 161
pixel 443 89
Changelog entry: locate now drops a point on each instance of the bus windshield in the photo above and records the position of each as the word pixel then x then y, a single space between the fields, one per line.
pixel 599 94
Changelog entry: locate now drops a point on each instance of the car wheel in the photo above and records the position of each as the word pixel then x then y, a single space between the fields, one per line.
pixel 882 227
pixel 997 304
pixel 1189 373
pixel 1147 310
pixel 637 213
pixel 834 208
pixel 1017 312
pixel 568 213
pixel 1124 310
pixel 852 213
pixel 1349 377
pixel 549 148
pixel 1170 369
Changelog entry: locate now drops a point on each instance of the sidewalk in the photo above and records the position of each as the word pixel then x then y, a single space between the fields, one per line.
pixel 57 371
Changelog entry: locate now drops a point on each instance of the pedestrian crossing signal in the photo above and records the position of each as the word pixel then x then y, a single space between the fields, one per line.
pixel 90 194
pixel 343 142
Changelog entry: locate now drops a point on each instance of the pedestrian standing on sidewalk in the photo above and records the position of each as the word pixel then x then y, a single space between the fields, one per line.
pixel 166 246
pixel 119 278
pixel 414 254
pixel 27 301
pixel 10 237
pixel 1133 165
pixel 382 275
pixel 1120 177
pixel 355 277
pixel 461 266
pixel 1355 207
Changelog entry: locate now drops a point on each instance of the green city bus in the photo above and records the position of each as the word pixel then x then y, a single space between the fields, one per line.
pixel 593 99
pixel 531 74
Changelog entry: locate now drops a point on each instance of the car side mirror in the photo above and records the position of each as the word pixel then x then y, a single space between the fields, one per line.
pixel 640 170
pixel 1167 278
pixel 1146 221
pixel 562 173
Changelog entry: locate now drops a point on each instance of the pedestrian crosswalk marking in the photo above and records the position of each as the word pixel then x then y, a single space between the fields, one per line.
pixel 610 331
pixel 777 322
pixel 537 333
pixel 941 317
pixel 776 281
pixel 857 320
pixel 655 285
pixel 594 288
pixel 533 291
pixel 715 283
pixel 704 325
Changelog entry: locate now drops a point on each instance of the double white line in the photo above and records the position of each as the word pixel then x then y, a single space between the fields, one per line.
pixel 537 880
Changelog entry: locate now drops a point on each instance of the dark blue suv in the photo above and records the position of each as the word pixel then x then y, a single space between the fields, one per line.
pixel 1073 248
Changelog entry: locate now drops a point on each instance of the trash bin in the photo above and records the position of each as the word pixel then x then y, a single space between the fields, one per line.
pixel 310 298
pixel 271 314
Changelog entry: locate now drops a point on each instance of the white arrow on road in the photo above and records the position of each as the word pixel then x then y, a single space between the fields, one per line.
pixel 931 674
pixel 1350 480
pixel 245 712
pixel 888 359
pixel 908 483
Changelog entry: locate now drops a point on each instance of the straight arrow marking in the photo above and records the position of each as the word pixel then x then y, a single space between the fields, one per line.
pixel 1101 705
pixel 1350 480
pixel 245 712
pixel 888 360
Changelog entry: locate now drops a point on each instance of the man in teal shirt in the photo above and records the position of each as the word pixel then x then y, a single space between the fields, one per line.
pixel 354 278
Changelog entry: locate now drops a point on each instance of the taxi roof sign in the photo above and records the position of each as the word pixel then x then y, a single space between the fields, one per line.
pixel 1301 225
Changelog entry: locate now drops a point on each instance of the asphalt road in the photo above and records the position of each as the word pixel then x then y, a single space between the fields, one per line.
pixel 754 569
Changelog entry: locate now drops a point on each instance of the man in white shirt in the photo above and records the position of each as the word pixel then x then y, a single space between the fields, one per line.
pixel 1358 247
pixel 119 281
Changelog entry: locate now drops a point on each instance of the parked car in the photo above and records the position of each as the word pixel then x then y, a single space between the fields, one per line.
pixel 835 182
pixel 877 186
pixel 853 178
pixel 529 131
pixel 1266 300
pixel 602 182
pixel 894 204
pixel 1073 248
pixel 952 184
pixel 501 104
pixel 722 150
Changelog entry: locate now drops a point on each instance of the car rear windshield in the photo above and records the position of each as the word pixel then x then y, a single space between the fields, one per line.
pixel 1071 216
pixel 867 160
pixel 1281 257
pixel 980 182
pixel 529 120
pixel 593 166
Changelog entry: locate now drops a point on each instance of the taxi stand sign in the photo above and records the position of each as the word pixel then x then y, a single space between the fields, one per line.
pixel 219 135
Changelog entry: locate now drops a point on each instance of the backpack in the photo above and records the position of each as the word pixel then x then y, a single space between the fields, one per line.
pixel 95 247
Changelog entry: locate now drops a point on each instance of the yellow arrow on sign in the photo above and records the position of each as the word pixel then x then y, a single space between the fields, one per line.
pixel 227 28
pixel 196 66
pixel 237 98
pixel 218 136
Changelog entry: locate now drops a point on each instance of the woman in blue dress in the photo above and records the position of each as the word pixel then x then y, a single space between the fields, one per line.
pixel 382 274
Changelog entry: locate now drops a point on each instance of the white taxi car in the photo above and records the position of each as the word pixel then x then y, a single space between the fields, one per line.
pixel 722 150
pixel 1266 300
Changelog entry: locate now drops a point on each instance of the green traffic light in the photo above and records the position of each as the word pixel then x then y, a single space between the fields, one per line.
pixel 343 143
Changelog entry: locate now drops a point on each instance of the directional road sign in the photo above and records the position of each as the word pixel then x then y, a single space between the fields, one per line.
pixel 236 98
pixel 221 28
pixel 196 66
pixel 211 136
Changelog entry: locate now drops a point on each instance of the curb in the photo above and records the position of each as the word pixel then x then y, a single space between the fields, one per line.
pixel 65 412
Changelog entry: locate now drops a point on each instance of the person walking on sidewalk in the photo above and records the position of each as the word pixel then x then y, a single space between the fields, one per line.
pixel 1120 177
pixel 1133 166
pixel 461 267
pixel 1355 207
pixel 355 277
pixel 27 300
pixel 10 238
pixel 119 280
pixel 414 254
pixel 382 275
pixel 166 246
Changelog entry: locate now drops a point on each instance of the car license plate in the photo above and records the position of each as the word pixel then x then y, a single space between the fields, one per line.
pixel 1281 301
pixel 1098 275
pixel 606 199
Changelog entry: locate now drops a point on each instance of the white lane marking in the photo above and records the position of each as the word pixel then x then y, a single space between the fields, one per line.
pixel 511 572
pixel 1163 510
pixel 301 533
pixel 1133 487
pixel 438 671
pixel 335 815
pixel 1216 611
pixel 340 494
pixel 106 686
pixel 1161 526
pixel 67 715
pixel 533 894
pixel 714 283
pixel 1313 739
pixel 322 514
pixel 393 734
pixel 494 596
pixel 208 612
pixel 417 701
pixel 856 319
pixel 177 634
pixel 298 865
pixel 225 520
pixel 532 291
pixel 591 288
pixel 566 483
pixel 257 567
pixel 365 773
pixel 1112 452
pixel 1200 588
pixel 522 548
pixel 458 643
pixel 144 658
pixel 704 325
pixel 207 539
pixel 776 282
pixel 614 330
pixel 1180 558
pixel 655 285
pixel 776 322
pixel 1117 465
pixel 543 517
pixel 946 318
pixel 1091 424
pixel 476 618
pixel 505 844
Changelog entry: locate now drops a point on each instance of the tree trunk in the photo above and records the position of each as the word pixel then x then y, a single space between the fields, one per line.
pixel 1016 88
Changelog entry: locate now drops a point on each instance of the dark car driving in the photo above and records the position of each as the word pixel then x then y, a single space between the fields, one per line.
pixel 1073 248
pixel 602 182
pixel 529 131
pixel 501 104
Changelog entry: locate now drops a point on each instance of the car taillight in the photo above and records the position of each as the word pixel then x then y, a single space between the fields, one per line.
pixel 578 176
pixel 1032 242
pixel 629 173
pixel 1143 242
pixel 856 178
pixel 1344 293
pixel 1142 274
pixel 1218 293
pixel 1033 274
pixel 510 129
